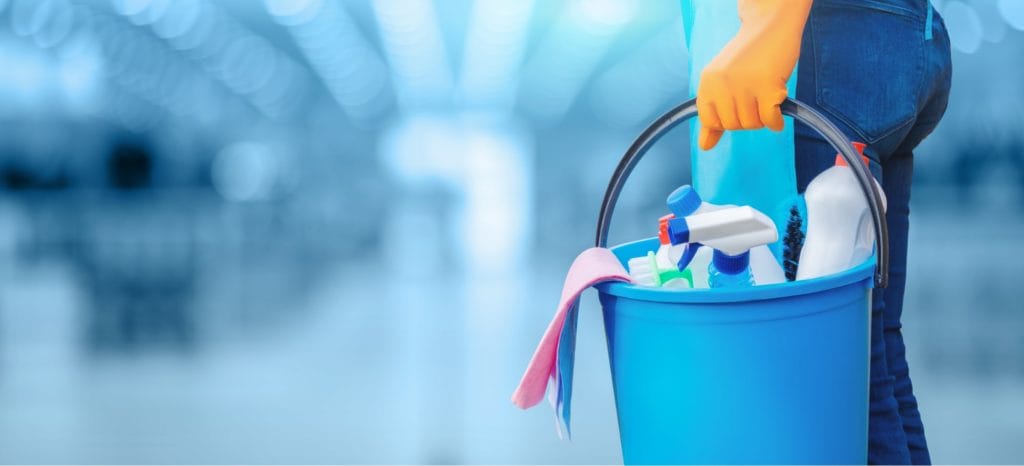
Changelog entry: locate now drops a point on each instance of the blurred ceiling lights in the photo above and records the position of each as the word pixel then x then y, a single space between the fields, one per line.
pixel 412 39
pixel 344 60
pixel 569 54
pixel 493 54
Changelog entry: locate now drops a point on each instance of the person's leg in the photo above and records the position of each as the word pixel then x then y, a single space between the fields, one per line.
pixel 821 68
pixel 887 443
pixel 897 173
pixel 893 119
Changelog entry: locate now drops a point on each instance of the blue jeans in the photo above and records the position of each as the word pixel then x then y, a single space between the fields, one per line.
pixel 880 70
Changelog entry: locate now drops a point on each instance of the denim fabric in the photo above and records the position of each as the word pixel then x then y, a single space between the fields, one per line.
pixel 870 67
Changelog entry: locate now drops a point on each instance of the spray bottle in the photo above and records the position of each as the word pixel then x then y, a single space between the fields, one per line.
pixel 764 267
pixel 658 269
pixel 732 232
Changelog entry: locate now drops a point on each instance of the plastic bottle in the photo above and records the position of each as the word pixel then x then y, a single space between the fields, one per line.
pixel 765 267
pixel 699 267
pixel 684 201
pixel 667 255
pixel 728 271
pixel 839 228
pixel 691 259
pixel 732 232
pixel 656 269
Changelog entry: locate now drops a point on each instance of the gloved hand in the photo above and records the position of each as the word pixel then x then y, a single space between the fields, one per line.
pixel 744 84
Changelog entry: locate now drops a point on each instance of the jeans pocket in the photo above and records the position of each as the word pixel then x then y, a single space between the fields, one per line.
pixel 868 67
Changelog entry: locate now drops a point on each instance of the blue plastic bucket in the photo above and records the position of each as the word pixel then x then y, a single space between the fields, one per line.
pixel 767 374
pixel 770 374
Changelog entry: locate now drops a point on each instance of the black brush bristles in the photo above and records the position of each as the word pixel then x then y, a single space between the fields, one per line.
pixel 792 243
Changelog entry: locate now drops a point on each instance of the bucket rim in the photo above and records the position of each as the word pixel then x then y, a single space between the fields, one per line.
pixel 862 272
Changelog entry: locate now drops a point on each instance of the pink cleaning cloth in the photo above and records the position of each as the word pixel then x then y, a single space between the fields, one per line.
pixel 593 266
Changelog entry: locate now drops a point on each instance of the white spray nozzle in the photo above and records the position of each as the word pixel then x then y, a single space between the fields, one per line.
pixel 732 230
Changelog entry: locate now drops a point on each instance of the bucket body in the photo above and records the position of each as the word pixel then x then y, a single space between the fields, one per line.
pixel 769 374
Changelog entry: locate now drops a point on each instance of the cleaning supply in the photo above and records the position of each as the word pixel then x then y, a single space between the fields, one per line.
pixel 553 359
pixel 659 268
pixel 793 242
pixel 839 228
pixel 732 232
pixel 698 266
pixel 647 271
pixel 728 271
pixel 668 255
pixel 683 201
pixel 755 167
pixel 756 267
pixel 667 266
pixel 644 270
pixel 764 268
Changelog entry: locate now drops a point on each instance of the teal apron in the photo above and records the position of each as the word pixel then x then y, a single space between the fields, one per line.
pixel 753 167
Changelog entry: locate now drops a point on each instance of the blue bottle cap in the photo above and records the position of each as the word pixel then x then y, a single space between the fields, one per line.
pixel 683 201
pixel 730 265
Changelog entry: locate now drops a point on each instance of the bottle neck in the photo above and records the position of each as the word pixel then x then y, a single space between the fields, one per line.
pixel 730 265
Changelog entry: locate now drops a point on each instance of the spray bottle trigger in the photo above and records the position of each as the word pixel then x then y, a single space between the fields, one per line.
pixel 691 252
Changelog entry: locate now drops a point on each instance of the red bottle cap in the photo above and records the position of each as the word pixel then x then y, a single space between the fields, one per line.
pixel 841 162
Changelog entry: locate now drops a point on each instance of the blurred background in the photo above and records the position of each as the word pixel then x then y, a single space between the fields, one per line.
pixel 333 230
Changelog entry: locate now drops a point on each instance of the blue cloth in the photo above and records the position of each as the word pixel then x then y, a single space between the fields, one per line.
pixel 867 66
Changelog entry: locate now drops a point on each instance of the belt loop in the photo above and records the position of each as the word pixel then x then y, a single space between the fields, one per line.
pixel 928 21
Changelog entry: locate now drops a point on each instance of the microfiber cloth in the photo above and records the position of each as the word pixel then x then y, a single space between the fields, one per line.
pixel 553 358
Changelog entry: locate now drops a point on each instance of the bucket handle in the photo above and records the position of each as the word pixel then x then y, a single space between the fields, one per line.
pixel 790 107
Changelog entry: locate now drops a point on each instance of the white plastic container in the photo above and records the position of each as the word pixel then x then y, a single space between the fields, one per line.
pixel 839 229
pixel 699 267
pixel 764 267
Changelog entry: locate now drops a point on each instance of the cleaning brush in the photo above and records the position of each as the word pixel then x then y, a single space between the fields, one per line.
pixel 792 243
pixel 644 270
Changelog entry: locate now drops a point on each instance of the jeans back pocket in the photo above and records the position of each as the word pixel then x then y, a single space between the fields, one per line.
pixel 868 67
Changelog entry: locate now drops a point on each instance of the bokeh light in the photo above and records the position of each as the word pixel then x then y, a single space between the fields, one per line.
pixel 330 231
pixel 965 28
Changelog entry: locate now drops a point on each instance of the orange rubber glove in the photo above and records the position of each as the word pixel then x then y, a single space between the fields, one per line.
pixel 744 84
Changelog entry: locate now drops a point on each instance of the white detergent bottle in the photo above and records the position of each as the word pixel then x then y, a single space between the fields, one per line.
pixel 699 266
pixel 839 225
pixel 765 267
pixel 667 255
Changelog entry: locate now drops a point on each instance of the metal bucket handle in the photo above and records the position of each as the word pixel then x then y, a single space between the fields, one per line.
pixel 790 107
